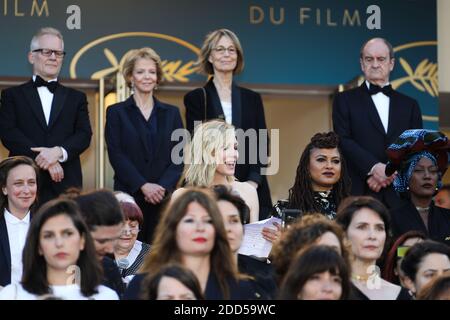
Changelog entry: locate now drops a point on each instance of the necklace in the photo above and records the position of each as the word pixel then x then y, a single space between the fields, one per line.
pixel 325 193
pixel 361 278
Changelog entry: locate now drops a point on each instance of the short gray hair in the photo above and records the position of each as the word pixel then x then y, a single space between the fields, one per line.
pixel 34 44
pixel 387 43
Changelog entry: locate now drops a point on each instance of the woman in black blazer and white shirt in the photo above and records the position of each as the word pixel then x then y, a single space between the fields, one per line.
pixel 19 188
pixel 138 134
pixel 222 56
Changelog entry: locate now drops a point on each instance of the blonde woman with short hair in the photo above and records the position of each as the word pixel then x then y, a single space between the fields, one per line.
pixel 210 159
pixel 138 135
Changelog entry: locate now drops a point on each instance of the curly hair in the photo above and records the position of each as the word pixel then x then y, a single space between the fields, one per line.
pixel 301 234
pixel 301 195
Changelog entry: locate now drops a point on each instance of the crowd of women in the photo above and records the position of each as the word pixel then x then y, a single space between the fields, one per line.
pixel 173 232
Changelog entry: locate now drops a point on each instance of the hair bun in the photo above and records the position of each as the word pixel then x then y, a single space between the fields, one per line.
pixel 325 140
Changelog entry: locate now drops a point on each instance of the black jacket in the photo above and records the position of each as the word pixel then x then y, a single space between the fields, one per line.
pixel 5 253
pixel 247 113
pixel 128 146
pixel 242 290
pixel 363 139
pixel 23 126
pixel 406 218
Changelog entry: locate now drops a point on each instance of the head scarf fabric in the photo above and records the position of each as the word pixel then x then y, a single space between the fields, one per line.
pixel 409 148
pixel 401 181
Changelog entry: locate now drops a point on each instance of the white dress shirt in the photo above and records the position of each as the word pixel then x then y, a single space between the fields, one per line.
pixel 131 258
pixel 381 102
pixel 227 111
pixel 46 101
pixel 17 233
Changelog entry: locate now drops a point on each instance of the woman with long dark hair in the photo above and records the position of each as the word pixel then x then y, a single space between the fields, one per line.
pixel 321 181
pixel 59 258
pixel 191 232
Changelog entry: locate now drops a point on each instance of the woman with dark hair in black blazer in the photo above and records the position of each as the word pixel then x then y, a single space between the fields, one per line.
pixel 19 188
pixel 138 134
pixel 222 56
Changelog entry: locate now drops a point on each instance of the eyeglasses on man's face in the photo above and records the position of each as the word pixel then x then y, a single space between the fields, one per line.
pixel 222 50
pixel 49 52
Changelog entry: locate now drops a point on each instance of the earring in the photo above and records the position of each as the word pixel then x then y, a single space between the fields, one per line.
pixel 407 188
pixel 132 88
pixel 437 189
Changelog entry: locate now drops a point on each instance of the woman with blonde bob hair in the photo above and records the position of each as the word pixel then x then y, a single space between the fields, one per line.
pixel 210 159
pixel 191 232
pixel 138 135
pixel 222 57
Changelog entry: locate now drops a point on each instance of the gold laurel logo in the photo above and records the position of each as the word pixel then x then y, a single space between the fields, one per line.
pixel 424 77
pixel 172 70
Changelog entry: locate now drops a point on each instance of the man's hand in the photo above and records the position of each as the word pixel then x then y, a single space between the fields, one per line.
pixel 378 179
pixel 47 156
pixel 56 172
pixel 153 192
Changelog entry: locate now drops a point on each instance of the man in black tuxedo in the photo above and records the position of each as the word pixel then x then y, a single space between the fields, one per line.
pixel 46 121
pixel 369 118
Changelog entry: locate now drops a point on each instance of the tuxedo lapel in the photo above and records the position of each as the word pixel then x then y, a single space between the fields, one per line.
pixel 214 104
pixel 236 106
pixel 4 240
pixel 394 115
pixel 161 125
pixel 59 99
pixel 373 113
pixel 136 120
pixel 34 101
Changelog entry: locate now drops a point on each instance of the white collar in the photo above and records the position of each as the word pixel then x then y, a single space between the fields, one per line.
pixel 368 84
pixel 12 219
pixel 34 78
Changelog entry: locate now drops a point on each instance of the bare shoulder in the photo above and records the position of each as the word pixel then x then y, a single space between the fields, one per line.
pixel 244 188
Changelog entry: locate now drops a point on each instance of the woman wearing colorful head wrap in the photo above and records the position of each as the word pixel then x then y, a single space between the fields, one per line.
pixel 420 159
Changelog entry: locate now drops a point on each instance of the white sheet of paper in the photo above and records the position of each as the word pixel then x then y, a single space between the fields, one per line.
pixel 254 244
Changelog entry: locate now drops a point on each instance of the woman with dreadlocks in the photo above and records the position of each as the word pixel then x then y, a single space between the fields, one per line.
pixel 321 181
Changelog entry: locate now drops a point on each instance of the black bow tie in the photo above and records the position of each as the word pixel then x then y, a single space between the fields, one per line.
pixel 374 89
pixel 39 82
